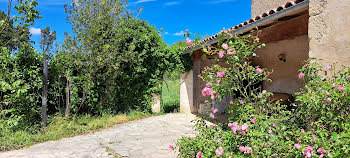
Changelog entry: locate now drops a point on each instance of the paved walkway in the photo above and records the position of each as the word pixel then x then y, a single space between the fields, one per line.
pixel 147 138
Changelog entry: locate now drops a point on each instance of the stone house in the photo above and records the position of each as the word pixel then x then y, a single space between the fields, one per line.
pixel 293 32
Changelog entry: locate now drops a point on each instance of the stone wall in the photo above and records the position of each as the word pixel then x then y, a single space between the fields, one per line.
pixel 329 31
pixel 261 6
pixel 186 92
pixel 284 59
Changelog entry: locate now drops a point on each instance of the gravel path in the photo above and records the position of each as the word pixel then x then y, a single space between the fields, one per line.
pixel 147 138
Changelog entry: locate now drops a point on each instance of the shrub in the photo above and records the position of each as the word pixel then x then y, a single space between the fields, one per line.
pixel 258 127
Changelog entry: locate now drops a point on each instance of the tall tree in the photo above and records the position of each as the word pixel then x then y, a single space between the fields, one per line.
pixel 46 43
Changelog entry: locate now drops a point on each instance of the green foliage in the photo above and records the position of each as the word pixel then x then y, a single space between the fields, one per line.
pixel 325 99
pixel 170 101
pixel 59 127
pixel 259 127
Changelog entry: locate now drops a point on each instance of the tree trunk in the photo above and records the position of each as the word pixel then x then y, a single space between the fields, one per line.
pixel 68 97
pixel 44 96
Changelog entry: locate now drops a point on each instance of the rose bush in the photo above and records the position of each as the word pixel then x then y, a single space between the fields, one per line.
pixel 259 127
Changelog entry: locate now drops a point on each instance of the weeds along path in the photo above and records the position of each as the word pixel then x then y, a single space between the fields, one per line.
pixel 147 138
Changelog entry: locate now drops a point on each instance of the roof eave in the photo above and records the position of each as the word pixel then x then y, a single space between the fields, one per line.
pixel 285 12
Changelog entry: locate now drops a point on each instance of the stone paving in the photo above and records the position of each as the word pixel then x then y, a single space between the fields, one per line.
pixel 147 138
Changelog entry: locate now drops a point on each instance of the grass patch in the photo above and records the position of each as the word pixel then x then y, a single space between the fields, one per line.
pixel 171 96
pixel 59 127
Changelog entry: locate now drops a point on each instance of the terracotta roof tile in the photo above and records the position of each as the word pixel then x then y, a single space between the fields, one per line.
pixel 252 20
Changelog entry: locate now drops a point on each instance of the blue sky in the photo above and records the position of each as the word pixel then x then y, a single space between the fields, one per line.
pixel 206 17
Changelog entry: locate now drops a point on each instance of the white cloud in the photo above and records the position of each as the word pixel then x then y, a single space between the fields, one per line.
pixel 141 1
pixel 220 1
pixel 35 31
pixel 172 3
pixel 166 33
pixel 181 33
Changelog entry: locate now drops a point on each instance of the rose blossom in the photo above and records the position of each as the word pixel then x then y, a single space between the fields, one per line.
pixel 327 68
pixel 301 76
pixel 245 127
pixel 242 102
pixel 328 100
pixel 326 92
pixel 307 154
pixel 264 92
pixel 321 151
pixel 225 46
pixel 214 110
pixel 269 131
pixel 248 149
pixel 259 71
pixel 252 121
pixel 314 139
pixel 199 155
pixel 274 125
pixel 207 85
pixel 334 85
pixel 212 115
pixel 341 88
pixel 243 133
pixel 242 148
pixel 245 64
pixel 298 146
pixel 309 148
pixel 171 147
pixel 189 41
pixel 221 54
pixel 219 151
pixel 221 74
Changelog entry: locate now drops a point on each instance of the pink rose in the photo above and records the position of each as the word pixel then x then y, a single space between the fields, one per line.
pixel 307 154
pixel 264 92
pixel 231 102
pixel 259 71
pixel 214 110
pixel 328 100
pixel 301 76
pixel 242 148
pixel 334 85
pixel 327 68
pixel 274 125
pixel 252 121
pixel 326 92
pixel 248 149
pixel 314 139
pixel 309 148
pixel 225 46
pixel 269 131
pixel 212 115
pixel 245 64
pixel 245 127
pixel 229 52
pixel 341 88
pixel 242 102
pixel 207 91
pixel 298 146
pixel 212 97
pixel 220 74
pixel 199 155
pixel 221 54
pixel 219 151
pixel 237 136
pixel 243 133
pixel 321 151
pixel 189 41
pixel 207 85
pixel 171 147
